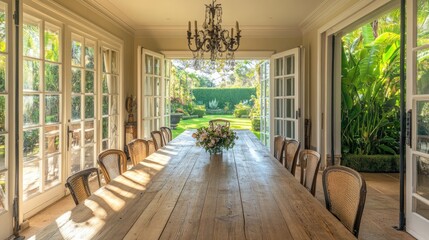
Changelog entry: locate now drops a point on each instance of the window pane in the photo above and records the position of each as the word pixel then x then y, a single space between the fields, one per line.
pixel 3 26
pixel 31 40
pixel 3 72
pixel 105 105
pixel 76 107
pixel 76 53
pixel 89 82
pixel 3 113
pixel 89 156
pixel 52 139
pixel 52 109
pixel 89 132
pixel 89 106
pixel 52 171
pixel 422 126
pixel 115 63
pixel 76 80
pixel 31 109
pixel 105 127
pixel 422 22
pixel 422 79
pixel 2 152
pixel 31 75
pixel 3 196
pixel 31 183
pixel 31 144
pixel 52 77
pixel 89 57
pixel 104 84
pixel 52 45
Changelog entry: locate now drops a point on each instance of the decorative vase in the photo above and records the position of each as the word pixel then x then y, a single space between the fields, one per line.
pixel 175 119
pixel 216 155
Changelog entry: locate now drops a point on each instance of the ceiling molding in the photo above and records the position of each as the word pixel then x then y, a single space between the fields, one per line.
pixel 247 32
pixel 117 17
pixel 322 12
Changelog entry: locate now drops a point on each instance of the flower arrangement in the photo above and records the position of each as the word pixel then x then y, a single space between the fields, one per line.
pixel 213 140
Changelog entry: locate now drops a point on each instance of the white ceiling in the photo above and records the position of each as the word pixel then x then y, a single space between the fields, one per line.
pixel 149 16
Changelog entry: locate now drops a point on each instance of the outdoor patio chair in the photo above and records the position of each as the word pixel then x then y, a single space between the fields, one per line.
pixel 345 193
pixel 113 162
pixel 78 184
pixel 223 122
pixel 279 147
pixel 166 134
pixel 310 162
pixel 291 155
pixel 138 150
pixel 157 139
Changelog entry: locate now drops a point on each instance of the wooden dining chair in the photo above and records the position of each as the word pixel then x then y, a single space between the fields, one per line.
pixel 113 162
pixel 223 122
pixel 279 148
pixel 291 155
pixel 157 139
pixel 310 162
pixel 138 150
pixel 166 134
pixel 151 146
pixel 345 194
pixel 78 184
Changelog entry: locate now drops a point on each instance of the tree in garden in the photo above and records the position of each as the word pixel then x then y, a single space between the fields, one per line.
pixel 370 88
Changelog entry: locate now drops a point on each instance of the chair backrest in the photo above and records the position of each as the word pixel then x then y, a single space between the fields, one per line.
pixel 291 154
pixel 113 162
pixel 310 162
pixel 345 194
pixel 166 134
pixel 223 122
pixel 138 150
pixel 157 139
pixel 279 148
pixel 151 146
pixel 78 184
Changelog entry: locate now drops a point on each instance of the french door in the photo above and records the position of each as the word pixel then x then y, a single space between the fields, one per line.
pixel 6 152
pixel 264 76
pixel 42 114
pixel 285 95
pixel 82 82
pixel 417 163
pixel 153 93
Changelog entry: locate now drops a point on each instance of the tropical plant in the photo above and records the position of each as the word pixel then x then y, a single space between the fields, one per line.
pixel 213 104
pixel 370 90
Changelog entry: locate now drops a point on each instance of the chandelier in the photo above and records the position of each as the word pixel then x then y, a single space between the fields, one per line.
pixel 212 38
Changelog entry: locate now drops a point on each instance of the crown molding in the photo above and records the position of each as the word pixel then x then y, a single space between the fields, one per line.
pixel 324 11
pixel 117 18
pixel 177 31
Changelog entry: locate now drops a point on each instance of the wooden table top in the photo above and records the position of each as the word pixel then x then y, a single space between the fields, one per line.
pixel 179 192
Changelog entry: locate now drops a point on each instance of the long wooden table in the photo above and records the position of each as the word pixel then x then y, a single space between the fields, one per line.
pixel 180 192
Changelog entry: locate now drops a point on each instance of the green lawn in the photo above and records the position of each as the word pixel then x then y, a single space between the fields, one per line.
pixel 236 123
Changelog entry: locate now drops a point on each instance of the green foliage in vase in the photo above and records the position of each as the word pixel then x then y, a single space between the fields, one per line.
pixel 370 88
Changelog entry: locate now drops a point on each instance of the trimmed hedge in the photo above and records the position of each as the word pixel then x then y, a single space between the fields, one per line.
pixel 232 96
pixel 372 163
pixel 256 124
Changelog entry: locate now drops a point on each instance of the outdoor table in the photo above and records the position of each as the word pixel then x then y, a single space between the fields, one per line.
pixel 181 192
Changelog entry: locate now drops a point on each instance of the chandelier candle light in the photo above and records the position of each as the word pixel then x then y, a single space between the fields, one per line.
pixel 212 38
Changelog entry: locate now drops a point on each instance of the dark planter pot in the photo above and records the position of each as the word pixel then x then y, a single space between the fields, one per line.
pixel 175 119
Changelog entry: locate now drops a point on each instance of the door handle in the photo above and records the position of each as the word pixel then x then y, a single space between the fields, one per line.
pixel 408 128
pixel 68 136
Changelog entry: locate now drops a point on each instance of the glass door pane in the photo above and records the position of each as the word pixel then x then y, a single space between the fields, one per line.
pixel 418 100
pixel 42 113
pixel 110 99
pixel 82 105
pixel 264 76
pixel 286 99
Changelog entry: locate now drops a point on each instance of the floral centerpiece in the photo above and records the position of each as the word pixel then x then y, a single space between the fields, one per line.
pixel 213 140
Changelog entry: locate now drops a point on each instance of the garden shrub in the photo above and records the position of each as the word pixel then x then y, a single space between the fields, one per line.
pixel 200 110
pixel 256 124
pixel 241 109
pixel 371 163
pixel 232 96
